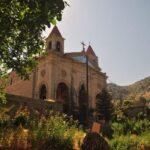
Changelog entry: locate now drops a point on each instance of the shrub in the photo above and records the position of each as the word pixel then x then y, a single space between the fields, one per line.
pixel 55 143
pixel 130 142
pixel 144 138
pixel 54 131
pixel 124 143
pixel 21 119
pixel 131 126
pixel 49 131
pixel 118 128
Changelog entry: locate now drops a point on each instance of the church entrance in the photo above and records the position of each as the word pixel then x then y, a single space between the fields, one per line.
pixel 63 96
pixel 43 92
pixel 83 105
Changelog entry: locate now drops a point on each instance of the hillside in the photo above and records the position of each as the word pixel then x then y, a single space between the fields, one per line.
pixel 133 91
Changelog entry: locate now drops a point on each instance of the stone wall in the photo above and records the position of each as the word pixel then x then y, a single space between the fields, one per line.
pixel 33 104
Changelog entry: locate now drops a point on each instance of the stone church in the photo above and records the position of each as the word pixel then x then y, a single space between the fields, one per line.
pixel 73 79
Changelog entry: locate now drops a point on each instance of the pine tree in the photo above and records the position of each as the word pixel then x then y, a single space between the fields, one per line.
pixel 104 109
pixel 104 105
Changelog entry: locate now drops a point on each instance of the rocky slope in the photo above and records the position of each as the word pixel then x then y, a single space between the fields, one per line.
pixel 133 91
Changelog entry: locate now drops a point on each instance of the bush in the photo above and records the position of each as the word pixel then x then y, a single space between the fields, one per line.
pixel 130 142
pixel 144 138
pixel 21 119
pixel 107 130
pixel 55 131
pixel 118 128
pixel 131 126
pixel 124 143
pixel 50 131
pixel 55 143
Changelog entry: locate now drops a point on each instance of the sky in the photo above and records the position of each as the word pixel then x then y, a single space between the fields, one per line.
pixel 119 32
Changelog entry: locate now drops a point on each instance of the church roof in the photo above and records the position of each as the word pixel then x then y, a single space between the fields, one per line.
pixel 80 57
pixel 74 53
pixel 55 31
pixel 90 51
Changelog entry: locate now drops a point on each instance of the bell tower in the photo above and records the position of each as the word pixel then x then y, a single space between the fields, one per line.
pixel 55 41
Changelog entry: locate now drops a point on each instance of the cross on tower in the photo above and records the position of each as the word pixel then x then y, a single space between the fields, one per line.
pixel 83 44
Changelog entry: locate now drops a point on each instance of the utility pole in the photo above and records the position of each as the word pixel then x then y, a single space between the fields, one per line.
pixel 87 70
pixel 71 100
pixel 87 86
pixel 87 77
pixel 87 80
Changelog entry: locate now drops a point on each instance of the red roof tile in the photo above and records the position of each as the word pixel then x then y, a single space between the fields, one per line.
pixel 56 31
pixel 90 51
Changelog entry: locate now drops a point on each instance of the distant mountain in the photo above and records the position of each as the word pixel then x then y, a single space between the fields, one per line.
pixel 133 91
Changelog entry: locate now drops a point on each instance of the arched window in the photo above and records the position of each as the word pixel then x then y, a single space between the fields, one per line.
pixel 58 46
pixel 63 96
pixel 43 92
pixel 50 45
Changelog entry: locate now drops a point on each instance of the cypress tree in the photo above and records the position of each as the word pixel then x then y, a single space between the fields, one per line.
pixel 104 109
pixel 104 105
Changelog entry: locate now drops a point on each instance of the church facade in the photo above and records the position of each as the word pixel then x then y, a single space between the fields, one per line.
pixel 68 78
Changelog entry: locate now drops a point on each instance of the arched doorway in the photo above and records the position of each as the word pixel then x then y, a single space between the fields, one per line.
pixel 43 92
pixel 63 96
pixel 83 105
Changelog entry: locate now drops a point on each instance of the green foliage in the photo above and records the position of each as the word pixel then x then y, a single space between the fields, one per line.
pixel 54 131
pixel 130 142
pixel 124 143
pixel 53 125
pixel 122 124
pixel 128 109
pixel 3 82
pixel 127 103
pixel 21 119
pixel 83 106
pixel 50 131
pixel 104 109
pixel 103 105
pixel 131 126
pixel 2 94
pixel 144 138
pixel 21 26
pixel 129 133
pixel 57 143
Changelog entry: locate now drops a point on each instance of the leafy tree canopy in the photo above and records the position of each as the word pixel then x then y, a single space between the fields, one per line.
pixel 21 25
